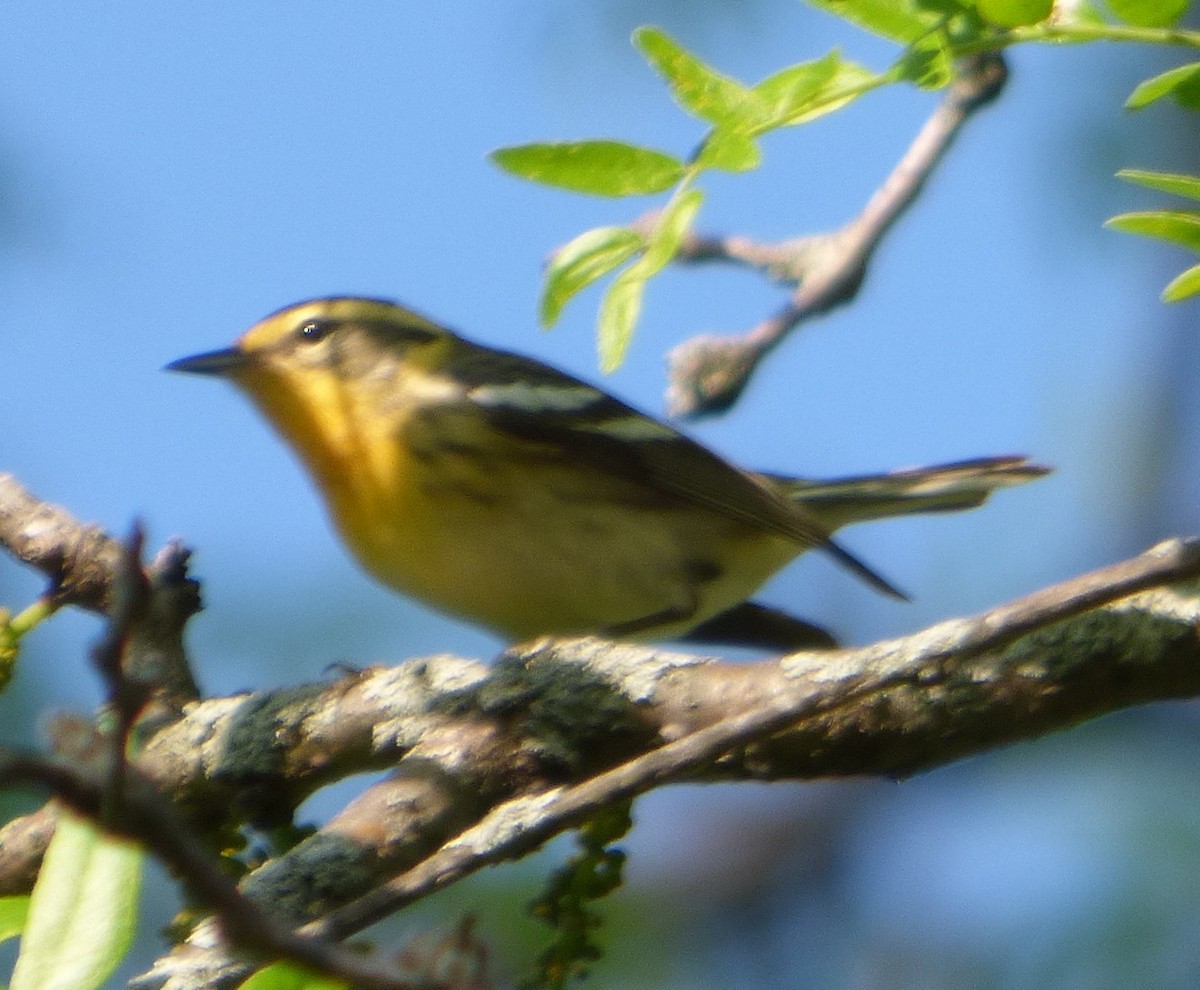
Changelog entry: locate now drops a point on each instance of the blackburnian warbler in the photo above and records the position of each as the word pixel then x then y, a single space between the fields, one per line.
pixel 498 489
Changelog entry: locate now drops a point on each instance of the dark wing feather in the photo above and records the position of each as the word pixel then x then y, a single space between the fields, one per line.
pixel 536 403
pixel 530 401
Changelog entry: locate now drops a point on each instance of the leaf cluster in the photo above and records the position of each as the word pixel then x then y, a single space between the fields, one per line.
pixel 934 34
pixel 1179 226
pixel 592 873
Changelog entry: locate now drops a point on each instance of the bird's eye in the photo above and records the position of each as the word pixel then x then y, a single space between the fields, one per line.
pixel 315 330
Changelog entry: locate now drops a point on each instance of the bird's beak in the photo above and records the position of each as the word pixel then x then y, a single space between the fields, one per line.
pixel 223 362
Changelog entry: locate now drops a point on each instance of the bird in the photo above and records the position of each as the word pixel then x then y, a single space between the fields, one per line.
pixel 498 489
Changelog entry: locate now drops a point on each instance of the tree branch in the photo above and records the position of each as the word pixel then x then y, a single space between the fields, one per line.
pixel 708 373
pixel 1089 645
pixel 490 761
pixel 144 816
pixel 953 669
pixel 83 566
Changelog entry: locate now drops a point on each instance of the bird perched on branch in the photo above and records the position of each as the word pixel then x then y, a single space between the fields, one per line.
pixel 501 490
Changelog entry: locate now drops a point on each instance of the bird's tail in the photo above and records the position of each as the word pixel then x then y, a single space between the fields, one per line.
pixel 941 488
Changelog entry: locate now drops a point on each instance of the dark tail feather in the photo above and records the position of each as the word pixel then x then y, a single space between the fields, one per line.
pixel 759 627
pixel 941 488
pixel 873 578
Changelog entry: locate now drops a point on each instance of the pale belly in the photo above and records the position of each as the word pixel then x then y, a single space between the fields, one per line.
pixel 556 561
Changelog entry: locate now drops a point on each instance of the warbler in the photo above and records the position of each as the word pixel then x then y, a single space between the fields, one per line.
pixel 501 490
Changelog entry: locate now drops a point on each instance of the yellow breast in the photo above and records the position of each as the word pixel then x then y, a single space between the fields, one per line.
pixel 439 506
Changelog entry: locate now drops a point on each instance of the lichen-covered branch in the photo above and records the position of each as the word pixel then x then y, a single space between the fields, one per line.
pixel 489 761
pixel 82 565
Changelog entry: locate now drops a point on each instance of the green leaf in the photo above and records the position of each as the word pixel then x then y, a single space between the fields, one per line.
pixel 1182 84
pixel 731 151
pixel 83 909
pixel 1177 185
pixel 289 976
pixel 929 63
pixel 803 92
pixel 591 255
pixel 14 628
pixel 13 912
pixel 1015 13
pixel 795 87
pixel 1183 286
pixel 1082 13
pixel 601 168
pixel 904 21
pixel 1178 227
pixel 696 86
pixel 619 312
pixel 1149 13
pixel 622 304
pixel 849 82
pixel 672 224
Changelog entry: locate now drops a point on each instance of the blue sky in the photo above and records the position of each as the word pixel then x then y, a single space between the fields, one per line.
pixel 174 175
pixel 171 173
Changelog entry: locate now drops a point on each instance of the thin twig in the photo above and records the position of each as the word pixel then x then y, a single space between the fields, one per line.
pixel 707 373
pixel 83 565
pixel 147 818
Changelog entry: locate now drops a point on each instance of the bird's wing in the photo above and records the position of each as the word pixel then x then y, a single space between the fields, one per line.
pixel 532 402
pixel 526 400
